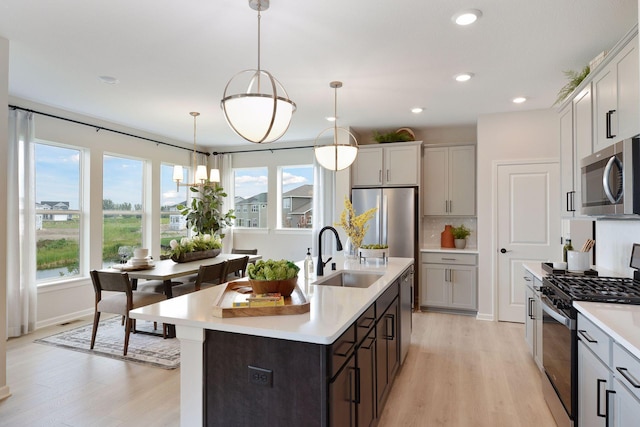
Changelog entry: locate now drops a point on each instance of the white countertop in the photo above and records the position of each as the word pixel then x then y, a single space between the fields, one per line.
pixel 332 308
pixel 620 321
pixel 449 250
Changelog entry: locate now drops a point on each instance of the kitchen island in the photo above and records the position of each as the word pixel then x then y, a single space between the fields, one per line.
pixel 281 370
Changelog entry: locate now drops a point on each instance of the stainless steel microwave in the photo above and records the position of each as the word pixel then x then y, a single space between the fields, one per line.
pixel 611 180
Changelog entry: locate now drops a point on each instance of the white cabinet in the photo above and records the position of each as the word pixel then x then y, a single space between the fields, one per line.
pixel 616 98
pixel 533 318
pixel 391 164
pixel 450 180
pixel 567 164
pixel 608 379
pixel 449 281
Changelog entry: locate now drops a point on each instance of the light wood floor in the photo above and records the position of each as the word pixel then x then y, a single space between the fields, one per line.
pixel 459 372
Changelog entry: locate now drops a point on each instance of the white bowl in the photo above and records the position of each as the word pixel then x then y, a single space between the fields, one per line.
pixel 140 253
pixel 560 265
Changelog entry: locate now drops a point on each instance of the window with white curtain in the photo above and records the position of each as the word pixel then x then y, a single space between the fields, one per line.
pixel 58 210
pixel 122 207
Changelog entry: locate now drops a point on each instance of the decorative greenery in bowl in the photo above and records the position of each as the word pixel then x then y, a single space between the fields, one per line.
pixel 391 137
pixel 461 232
pixel 200 242
pixel 273 276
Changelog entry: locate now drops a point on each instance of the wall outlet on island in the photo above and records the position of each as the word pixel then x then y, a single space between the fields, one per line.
pixel 260 376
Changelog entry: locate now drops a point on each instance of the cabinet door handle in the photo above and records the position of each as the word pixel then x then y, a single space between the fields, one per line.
pixel 627 376
pixel 371 341
pixel 380 176
pixel 608 123
pixel 357 385
pixel 390 336
pixel 450 206
pixel 570 201
pixel 527 278
pixel 448 259
pixel 588 337
pixel 387 175
pixel 349 346
pixel 366 323
pixel 606 418
pixel 598 403
pixel 531 300
pixel 352 385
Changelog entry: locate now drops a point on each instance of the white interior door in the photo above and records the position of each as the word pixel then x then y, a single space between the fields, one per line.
pixel 528 226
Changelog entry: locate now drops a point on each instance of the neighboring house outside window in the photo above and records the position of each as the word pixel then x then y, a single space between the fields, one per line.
pixel 173 225
pixel 297 196
pixel 251 197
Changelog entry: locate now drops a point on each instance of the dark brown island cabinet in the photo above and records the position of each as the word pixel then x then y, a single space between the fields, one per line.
pixel 252 380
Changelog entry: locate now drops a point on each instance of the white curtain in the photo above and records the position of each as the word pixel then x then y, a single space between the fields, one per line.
pixel 323 205
pixel 223 162
pixel 22 291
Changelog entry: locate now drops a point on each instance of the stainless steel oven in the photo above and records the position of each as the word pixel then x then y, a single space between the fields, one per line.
pixel 559 352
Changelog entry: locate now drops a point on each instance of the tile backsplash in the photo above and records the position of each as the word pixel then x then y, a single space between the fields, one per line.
pixel 432 226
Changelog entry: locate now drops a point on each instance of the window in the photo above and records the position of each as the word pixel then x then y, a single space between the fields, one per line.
pixel 58 209
pixel 250 191
pixel 173 224
pixel 296 192
pixel 122 207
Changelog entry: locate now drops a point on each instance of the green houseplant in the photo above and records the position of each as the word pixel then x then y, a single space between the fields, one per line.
pixel 204 214
pixel 460 235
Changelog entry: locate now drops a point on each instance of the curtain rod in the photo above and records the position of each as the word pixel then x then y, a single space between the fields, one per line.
pixel 99 128
pixel 216 153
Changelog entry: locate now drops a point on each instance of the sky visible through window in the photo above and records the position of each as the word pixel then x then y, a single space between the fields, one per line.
pixel 58 175
pixel 252 181
pixel 122 180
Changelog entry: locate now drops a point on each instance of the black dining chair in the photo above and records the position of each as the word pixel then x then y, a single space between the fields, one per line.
pixel 208 276
pixel 121 302
pixel 236 268
pixel 244 251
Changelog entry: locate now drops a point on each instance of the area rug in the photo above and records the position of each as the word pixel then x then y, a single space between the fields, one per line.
pixel 143 348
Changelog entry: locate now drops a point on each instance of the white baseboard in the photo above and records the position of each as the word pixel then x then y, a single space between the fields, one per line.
pixel 485 316
pixel 64 318
pixel 4 392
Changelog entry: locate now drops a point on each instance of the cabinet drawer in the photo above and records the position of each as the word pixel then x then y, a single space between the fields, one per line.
pixel 341 350
pixel 386 298
pixel 626 368
pixel 595 339
pixel 365 322
pixel 445 258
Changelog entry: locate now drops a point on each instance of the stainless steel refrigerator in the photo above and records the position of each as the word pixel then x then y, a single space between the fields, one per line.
pixel 395 224
pixel 395 221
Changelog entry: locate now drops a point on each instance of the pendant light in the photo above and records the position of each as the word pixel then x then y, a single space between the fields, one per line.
pixel 200 177
pixel 258 110
pixel 336 155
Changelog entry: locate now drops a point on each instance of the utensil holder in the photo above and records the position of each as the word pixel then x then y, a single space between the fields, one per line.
pixel 577 261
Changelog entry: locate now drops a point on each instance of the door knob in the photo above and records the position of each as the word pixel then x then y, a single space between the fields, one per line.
pixel 503 251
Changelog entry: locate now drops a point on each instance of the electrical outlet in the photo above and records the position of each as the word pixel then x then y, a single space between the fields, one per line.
pixel 260 376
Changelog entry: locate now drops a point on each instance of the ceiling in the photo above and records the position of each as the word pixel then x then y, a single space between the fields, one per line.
pixel 172 57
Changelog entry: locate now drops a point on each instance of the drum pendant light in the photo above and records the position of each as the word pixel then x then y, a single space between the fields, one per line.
pixel 257 109
pixel 337 155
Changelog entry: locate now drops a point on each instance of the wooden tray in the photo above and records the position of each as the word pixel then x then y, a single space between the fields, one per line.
pixel 129 267
pixel 297 303
pixel 548 267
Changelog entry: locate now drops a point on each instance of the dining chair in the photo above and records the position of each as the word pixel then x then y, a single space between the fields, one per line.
pixel 236 268
pixel 121 302
pixel 244 251
pixel 208 276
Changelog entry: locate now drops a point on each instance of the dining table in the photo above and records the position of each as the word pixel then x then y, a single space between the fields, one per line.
pixel 167 270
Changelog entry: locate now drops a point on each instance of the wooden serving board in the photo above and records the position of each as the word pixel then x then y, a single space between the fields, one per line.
pixel 297 303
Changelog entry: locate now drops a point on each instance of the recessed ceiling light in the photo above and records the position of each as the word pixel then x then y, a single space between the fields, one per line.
pixel 466 17
pixel 417 110
pixel 108 80
pixel 519 100
pixel 331 119
pixel 463 77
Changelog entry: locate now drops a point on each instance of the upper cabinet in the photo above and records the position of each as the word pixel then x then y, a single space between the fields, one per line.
pixel 616 97
pixel 393 164
pixel 450 180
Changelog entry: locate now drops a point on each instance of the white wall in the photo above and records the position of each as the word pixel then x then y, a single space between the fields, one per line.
pixel 614 241
pixel 4 144
pixel 502 137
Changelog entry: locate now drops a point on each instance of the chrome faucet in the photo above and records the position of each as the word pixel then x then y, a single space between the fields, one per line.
pixel 321 264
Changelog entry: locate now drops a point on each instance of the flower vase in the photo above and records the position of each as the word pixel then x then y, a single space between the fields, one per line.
pixel 350 249
pixel 446 238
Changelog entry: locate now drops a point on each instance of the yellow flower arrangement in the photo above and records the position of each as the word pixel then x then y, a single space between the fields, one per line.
pixel 355 225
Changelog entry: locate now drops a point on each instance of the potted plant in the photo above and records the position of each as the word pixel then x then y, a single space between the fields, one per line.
pixel 203 215
pixel 460 235
pixel 267 276
pixel 194 248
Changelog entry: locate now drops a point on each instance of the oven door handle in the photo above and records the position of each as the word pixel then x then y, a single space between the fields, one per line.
pixel 557 314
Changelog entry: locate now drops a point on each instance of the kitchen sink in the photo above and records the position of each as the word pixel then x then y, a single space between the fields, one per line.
pixel 350 279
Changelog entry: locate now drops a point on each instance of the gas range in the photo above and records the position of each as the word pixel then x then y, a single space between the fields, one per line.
pixel 562 290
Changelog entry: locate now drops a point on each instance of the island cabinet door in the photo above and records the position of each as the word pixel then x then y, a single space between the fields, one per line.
pixel 259 381
pixel 366 371
pixel 342 396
